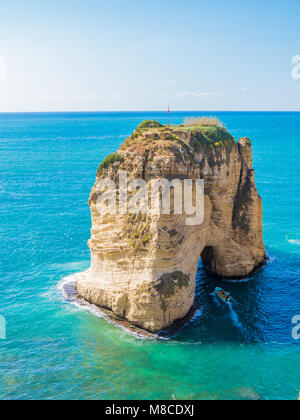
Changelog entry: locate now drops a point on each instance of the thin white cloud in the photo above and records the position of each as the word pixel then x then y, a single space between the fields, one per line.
pixel 3 68
pixel 112 95
pixel 90 95
pixel 244 89
pixel 163 95
pixel 198 94
pixel 166 82
pixel 53 96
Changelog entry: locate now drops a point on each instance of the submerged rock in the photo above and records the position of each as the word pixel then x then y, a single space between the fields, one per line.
pixel 143 267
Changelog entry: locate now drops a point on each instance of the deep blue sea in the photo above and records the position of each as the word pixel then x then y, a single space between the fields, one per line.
pixel 53 350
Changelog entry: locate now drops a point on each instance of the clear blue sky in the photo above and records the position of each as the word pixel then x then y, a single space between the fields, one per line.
pixel 138 55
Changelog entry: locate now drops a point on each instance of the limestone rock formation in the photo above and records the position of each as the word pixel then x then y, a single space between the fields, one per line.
pixel 143 267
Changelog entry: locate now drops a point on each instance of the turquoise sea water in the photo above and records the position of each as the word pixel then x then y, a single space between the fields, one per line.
pixel 54 350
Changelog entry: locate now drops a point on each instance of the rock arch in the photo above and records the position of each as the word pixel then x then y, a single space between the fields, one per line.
pixel 208 256
pixel 143 268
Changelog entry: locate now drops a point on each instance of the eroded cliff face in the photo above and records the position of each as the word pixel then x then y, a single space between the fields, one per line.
pixel 143 267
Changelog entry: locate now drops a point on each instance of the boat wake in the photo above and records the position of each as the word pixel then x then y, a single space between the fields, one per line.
pixel 234 316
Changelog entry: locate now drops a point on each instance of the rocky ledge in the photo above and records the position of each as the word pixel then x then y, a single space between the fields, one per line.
pixel 143 267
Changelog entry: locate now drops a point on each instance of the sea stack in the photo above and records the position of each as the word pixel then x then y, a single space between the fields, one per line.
pixel 143 267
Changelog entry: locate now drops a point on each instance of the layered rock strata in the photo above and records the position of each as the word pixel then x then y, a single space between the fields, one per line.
pixel 143 266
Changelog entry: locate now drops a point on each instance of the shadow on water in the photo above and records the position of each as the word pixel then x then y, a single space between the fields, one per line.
pixel 261 311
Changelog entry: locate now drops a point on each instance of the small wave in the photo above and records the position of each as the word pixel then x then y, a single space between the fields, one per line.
pixel 272 259
pixel 198 314
pixel 63 286
pixel 294 241
pixel 245 280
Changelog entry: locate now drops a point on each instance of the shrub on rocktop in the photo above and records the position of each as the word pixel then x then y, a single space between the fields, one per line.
pixel 203 121
pixel 149 124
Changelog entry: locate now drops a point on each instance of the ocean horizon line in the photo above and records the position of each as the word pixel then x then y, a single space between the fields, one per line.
pixel 149 111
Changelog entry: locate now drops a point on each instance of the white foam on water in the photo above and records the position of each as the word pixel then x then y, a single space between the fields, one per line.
pixel 70 266
pixel 198 314
pixel 294 241
pixel 57 292
pixel 94 310
pixel 245 280
pixel 71 298
pixel 68 280
pixel 272 259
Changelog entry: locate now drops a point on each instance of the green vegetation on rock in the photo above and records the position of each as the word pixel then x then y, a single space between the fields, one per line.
pixel 110 160
pixel 209 135
pixel 246 141
pixel 216 134
pixel 149 124
pixel 137 231
pixel 153 141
